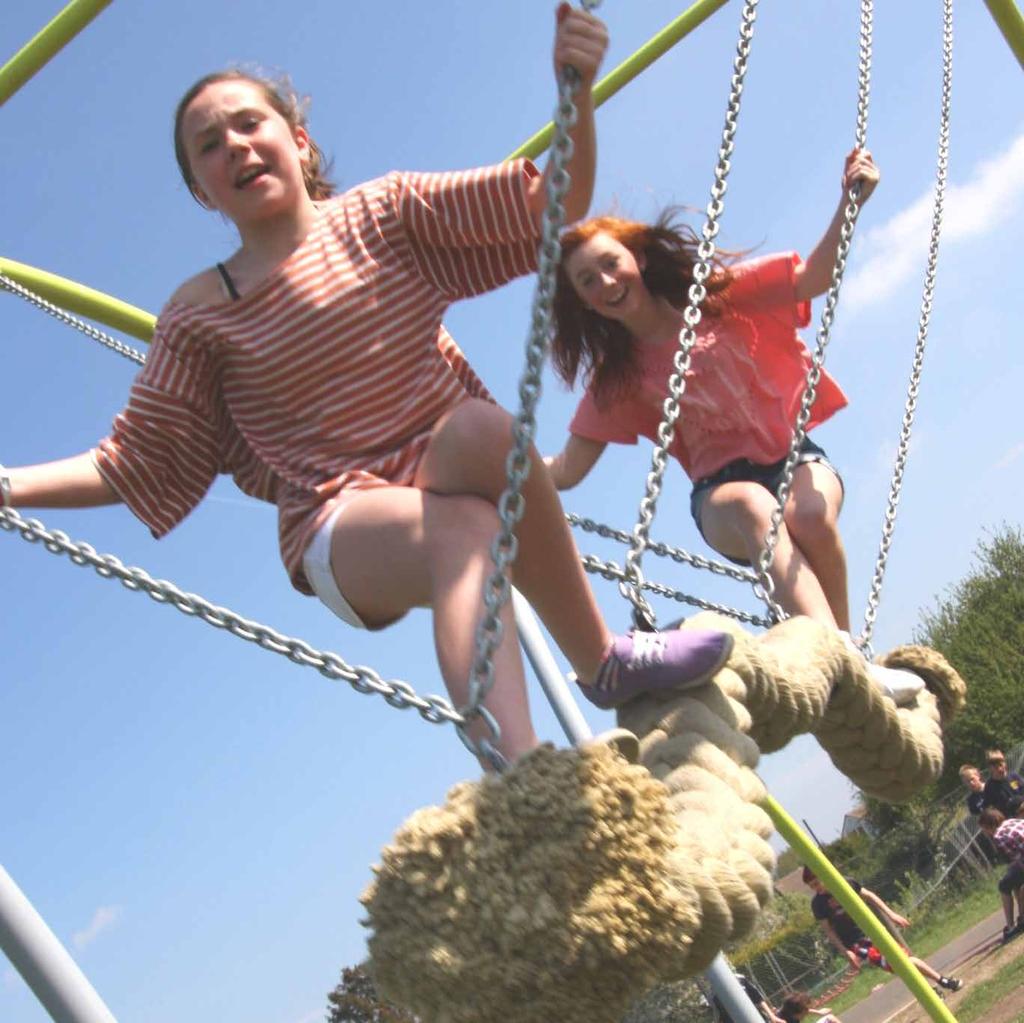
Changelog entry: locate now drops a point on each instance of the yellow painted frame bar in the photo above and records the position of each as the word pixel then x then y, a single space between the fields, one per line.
pixel 612 82
pixel 1008 18
pixel 809 854
pixel 47 42
pixel 106 309
pixel 77 298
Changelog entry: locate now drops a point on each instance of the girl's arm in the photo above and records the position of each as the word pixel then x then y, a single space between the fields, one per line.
pixel 580 42
pixel 814 276
pixel 577 458
pixel 68 483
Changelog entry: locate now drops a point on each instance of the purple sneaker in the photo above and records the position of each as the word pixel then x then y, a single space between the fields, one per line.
pixel 644 662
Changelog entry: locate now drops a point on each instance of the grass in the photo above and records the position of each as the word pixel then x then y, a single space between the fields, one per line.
pixel 940 920
pixel 976 1004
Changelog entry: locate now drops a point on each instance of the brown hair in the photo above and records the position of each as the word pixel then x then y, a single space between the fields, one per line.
pixel 602 349
pixel 281 95
pixel 990 817
pixel 795 1005
pixel 995 756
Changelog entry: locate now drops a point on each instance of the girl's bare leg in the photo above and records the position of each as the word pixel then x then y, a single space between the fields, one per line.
pixel 812 518
pixel 395 548
pixel 735 518
pixel 467 456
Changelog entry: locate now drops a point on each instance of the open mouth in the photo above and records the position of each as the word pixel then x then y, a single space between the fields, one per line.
pixel 251 174
pixel 617 300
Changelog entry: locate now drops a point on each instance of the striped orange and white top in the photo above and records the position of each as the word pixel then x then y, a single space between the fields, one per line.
pixel 331 373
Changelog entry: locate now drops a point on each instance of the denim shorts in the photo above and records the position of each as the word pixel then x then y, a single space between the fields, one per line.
pixel 768 476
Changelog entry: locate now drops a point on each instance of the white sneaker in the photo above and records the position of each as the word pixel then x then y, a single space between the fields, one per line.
pixel 900 685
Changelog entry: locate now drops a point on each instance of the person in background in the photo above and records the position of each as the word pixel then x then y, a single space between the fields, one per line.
pixel 1007 836
pixel 845 934
pixel 971 777
pixel 1004 789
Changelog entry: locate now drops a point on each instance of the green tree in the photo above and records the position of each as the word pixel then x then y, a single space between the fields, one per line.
pixel 979 628
pixel 355 1000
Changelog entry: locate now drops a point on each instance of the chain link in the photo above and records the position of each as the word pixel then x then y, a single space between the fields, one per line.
pixel 611 571
pixel 512 504
pixel 765 585
pixel 896 485
pixel 435 709
pixel 72 321
pixel 663 550
pixel 631 588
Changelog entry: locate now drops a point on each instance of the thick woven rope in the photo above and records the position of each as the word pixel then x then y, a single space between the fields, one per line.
pixel 569 886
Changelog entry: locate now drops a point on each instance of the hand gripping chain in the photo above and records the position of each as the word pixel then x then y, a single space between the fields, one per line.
pixel 765 587
pixel 643 614
pixel 889 524
pixel 512 505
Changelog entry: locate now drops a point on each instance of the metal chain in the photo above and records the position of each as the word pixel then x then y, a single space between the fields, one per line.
pixel 631 588
pixel 72 321
pixel 889 525
pixel 611 571
pixel 512 504
pixel 765 585
pixel 435 709
pixel 663 550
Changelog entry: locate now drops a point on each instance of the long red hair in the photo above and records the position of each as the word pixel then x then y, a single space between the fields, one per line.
pixel 603 350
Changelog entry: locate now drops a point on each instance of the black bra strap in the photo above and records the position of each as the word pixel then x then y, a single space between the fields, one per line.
pixel 228 282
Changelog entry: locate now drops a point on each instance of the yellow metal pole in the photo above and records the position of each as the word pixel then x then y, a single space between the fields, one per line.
pixel 654 48
pixel 47 42
pixel 137 322
pixel 811 856
pixel 77 298
pixel 1007 16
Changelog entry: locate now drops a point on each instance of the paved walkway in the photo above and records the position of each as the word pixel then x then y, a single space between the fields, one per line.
pixel 884 1004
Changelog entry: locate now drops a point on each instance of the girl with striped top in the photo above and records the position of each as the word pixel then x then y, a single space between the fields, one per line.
pixel 312 365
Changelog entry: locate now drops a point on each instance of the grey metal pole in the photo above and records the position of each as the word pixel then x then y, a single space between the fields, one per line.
pixel 719 974
pixel 43 962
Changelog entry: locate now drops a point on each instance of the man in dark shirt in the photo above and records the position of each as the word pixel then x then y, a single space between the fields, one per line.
pixel 1004 789
pixel 845 934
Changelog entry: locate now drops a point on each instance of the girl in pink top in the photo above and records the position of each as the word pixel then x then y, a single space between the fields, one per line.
pixel 621 291
pixel 313 366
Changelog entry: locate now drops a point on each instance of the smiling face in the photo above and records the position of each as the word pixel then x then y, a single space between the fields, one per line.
pixel 244 158
pixel 606 275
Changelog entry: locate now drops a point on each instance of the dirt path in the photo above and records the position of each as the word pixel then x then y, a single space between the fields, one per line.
pixel 981 962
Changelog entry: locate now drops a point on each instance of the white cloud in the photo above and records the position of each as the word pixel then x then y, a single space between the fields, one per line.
pixel 1010 457
pixel 103 919
pixel 893 253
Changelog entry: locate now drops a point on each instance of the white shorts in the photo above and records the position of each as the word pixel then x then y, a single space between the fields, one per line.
pixel 316 563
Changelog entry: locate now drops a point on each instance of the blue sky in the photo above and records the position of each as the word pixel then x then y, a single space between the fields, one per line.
pixel 196 819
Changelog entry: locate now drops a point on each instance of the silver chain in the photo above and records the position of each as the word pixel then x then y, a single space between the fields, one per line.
pixel 765 585
pixel 435 709
pixel 632 586
pixel 72 321
pixel 611 571
pixel 512 504
pixel 662 550
pixel 889 525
